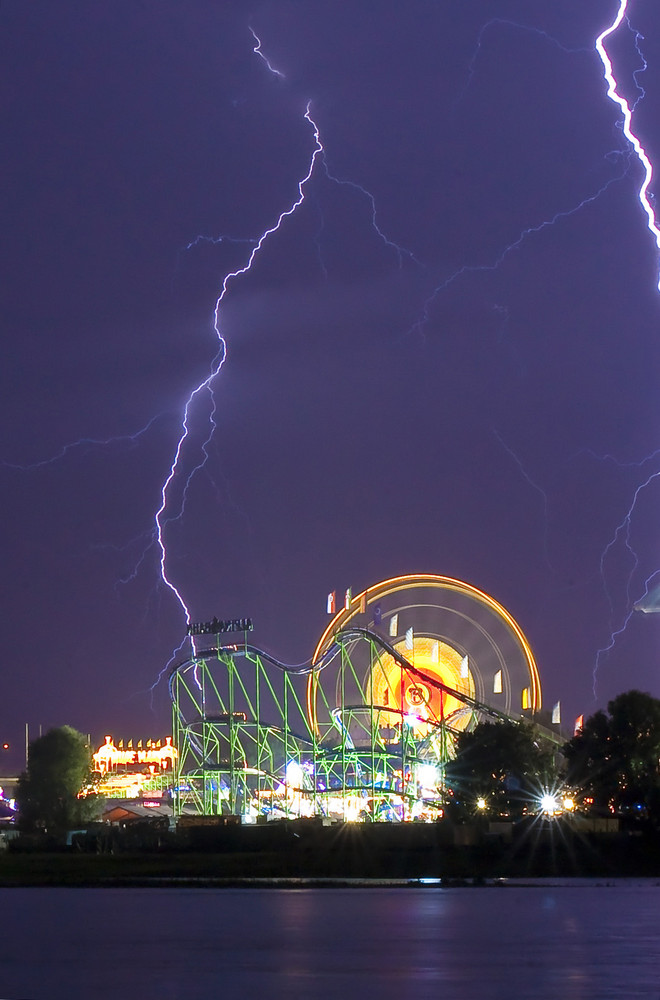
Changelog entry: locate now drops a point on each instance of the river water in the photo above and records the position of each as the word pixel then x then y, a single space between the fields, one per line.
pixel 560 941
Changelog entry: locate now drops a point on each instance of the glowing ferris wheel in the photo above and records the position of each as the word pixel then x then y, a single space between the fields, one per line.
pixel 468 656
pixel 402 668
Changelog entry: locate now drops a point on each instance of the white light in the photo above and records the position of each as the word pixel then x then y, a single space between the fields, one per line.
pixel 352 810
pixel 294 774
pixel 427 775
pixel 549 804
pixel 481 803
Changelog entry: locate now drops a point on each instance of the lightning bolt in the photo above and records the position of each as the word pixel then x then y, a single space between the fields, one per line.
pixel 635 145
pixel 627 112
pixel 535 486
pixel 636 150
pixel 624 527
pixel 502 21
pixel 216 240
pixel 163 517
pixel 174 490
pixel 421 322
pixel 219 361
pixel 257 51
pixel 419 325
pixel 400 251
pixel 88 443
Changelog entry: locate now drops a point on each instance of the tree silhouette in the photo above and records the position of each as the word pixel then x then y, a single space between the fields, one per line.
pixel 613 760
pixel 48 792
pixel 506 763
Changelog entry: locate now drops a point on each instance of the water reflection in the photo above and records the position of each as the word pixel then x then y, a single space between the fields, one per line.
pixel 577 942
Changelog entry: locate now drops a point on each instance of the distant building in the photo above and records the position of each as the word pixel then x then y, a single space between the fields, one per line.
pixel 160 753
pixel 134 769
pixel 129 812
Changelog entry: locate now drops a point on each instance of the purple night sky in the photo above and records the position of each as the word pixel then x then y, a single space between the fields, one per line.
pixel 496 431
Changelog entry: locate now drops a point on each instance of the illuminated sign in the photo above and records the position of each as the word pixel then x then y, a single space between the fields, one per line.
pixel 108 757
pixel 216 625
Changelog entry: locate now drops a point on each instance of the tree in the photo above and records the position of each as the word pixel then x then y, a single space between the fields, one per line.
pixel 59 768
pixel 613 760
pixel 504 763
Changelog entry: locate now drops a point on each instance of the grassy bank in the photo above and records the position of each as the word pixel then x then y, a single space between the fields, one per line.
pixel 348 851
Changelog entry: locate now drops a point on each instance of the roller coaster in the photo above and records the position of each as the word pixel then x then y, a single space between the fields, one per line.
pixel 363 731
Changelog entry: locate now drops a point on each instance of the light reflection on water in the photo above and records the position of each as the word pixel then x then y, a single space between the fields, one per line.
pixel 582 941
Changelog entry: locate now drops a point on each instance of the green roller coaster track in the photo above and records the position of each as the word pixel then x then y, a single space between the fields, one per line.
pixel 263 740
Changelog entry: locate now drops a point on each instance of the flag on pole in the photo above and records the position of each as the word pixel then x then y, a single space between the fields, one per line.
pixel 497 683
pixel 332 600
pixel 526 699
pixel 394 625
pixel 435 652
pixel 378 614
pixel 409 638
pixel 464 667
pixel 363 603
pixel 579 724
pixel 348 597
pixel 556 714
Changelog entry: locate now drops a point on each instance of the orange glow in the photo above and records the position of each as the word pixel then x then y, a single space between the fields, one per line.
pixel 406 693
pixel 359 604
pixel 108 757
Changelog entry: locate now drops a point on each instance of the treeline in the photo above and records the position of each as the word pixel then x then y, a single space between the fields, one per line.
pixel 609 768
pixel 501 770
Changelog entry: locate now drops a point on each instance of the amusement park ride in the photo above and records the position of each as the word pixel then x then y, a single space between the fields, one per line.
pixel 362 731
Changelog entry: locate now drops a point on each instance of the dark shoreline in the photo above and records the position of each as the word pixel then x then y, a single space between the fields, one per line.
pixel 292 884
pixel 303 853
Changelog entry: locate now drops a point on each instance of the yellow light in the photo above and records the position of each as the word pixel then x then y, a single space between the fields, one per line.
pixel 423 705
pixel 108 757
pixel 481 803
pixel 417 580
pixel 568 804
